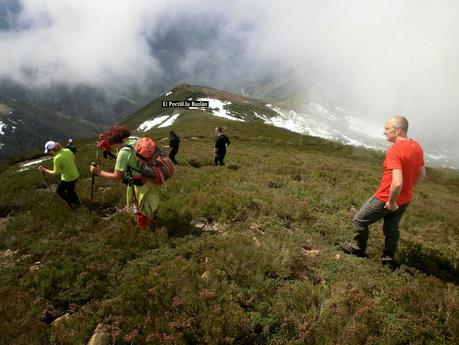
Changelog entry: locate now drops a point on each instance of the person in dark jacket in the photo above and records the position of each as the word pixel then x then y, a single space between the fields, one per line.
pixel 174 143
pixel 221 142
pixel 71 146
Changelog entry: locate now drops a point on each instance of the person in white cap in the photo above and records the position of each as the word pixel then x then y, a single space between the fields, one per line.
pixel 64 163
pixel 71 146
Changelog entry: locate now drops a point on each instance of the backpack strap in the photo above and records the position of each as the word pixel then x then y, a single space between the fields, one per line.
pixel 129 167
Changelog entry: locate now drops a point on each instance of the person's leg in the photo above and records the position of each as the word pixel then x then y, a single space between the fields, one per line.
pixel 172 154
pixel 72 196
pixel 222 159
pixel 392 232
pixel 216 160
pixel 62 191
pixel 148 196
pixel 372 211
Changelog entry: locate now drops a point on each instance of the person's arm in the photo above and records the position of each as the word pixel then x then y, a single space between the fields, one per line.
pixel 121 166
pixel 45 170
pixel 421 174
pixel 115 175
pixel 56 167
pixel 395 189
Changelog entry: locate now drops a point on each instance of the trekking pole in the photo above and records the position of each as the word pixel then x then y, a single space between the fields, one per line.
pixel 94 164
pixel 46 181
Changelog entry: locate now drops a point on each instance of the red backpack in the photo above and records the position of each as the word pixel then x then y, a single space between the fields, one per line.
pixel 154 163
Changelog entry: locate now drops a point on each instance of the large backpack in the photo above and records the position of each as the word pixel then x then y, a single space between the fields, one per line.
pixel 155 165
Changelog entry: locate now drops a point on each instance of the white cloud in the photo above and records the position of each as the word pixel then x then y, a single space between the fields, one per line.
pixel 79 41
pixel 373 58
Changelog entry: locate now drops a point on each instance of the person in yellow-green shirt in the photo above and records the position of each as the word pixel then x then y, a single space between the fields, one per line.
pixel 64 163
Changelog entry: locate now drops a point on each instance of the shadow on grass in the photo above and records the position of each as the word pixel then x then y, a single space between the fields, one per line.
pixel 100 209
pixel 430 262
pixel 178 225
pixel 196 163
pixel 5 210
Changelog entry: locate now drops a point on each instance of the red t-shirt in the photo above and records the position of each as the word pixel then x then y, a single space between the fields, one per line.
pixel 406 155
pixel 104 145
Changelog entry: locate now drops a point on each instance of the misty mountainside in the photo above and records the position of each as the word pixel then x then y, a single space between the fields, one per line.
pixel 98 105
pixel 25 128
pixel 241 254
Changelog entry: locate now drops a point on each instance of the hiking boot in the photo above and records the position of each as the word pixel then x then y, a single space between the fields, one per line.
pixel 389 263
pixel 348 248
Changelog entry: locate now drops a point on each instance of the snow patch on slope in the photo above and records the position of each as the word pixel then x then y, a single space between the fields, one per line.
pixel 304 124
pixel 170 121
pixel 27 165
pixel 159 122
pixel 149 124
pixel 218 108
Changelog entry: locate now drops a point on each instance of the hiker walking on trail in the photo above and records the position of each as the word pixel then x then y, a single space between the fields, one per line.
pixel 221 142
pixel 403 169
pixel 143 195
pixel 64 163
pixel 71 146
pixel 107 149
pixel 174 143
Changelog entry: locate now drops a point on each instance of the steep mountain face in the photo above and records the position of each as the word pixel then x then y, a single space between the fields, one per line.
pixel 25 127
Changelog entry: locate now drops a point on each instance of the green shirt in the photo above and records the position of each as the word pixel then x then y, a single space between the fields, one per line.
pixel 126 159
pixel 65 164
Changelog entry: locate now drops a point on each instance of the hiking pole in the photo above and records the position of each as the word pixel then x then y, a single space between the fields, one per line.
pixel 94 164
pixel 46 181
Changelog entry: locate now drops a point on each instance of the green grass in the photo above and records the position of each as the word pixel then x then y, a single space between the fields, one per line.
pixel 248 276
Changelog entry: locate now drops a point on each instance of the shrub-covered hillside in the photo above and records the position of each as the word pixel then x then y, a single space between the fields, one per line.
pixel 241 254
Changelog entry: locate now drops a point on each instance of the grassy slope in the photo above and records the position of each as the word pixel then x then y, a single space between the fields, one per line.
pixel 248 277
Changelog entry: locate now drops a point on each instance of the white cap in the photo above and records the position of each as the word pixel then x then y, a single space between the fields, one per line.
pixel 70 140
pixel 49 146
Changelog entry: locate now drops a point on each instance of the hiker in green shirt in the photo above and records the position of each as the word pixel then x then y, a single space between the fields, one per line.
pixel 144 195
pixel 64 163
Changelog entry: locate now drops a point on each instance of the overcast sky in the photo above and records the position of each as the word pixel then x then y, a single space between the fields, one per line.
pixel 376 58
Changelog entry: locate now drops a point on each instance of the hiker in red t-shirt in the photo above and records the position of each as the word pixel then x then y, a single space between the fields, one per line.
pixel 403 169
pixel 106 147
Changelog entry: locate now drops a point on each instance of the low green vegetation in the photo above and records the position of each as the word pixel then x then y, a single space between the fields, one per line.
pixel 242 254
